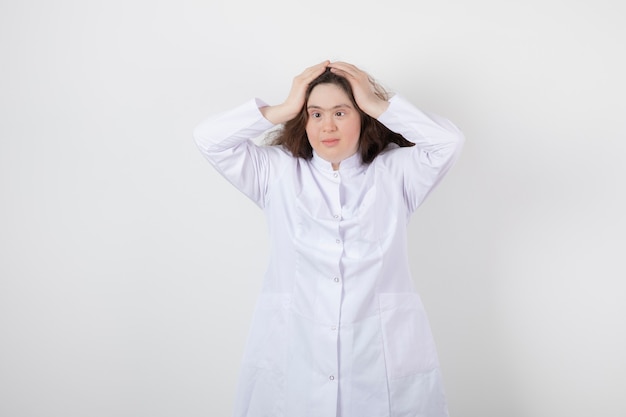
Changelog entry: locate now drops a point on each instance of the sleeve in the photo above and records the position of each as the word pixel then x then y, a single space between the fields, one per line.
pixel 438 143
pixel 226 141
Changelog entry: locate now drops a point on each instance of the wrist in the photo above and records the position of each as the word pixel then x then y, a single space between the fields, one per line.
pixel 378 108
pixel 277 114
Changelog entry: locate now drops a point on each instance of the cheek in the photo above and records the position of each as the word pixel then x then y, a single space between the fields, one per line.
pixel 311 132
pixel 355 132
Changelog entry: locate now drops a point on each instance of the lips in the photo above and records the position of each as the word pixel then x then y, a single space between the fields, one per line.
pixel 330 141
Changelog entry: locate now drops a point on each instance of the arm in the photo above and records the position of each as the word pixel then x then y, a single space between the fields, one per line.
pixel 438 143
pixel 225 140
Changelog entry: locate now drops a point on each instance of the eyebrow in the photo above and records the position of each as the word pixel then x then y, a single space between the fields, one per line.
pixel 338 106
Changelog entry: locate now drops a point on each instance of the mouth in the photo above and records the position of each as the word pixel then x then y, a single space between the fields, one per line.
pixel 330 141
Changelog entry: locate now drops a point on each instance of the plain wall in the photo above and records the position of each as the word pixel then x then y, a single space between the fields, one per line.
pixel 129 267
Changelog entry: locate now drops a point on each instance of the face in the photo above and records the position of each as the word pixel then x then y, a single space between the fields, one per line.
pixel 334 124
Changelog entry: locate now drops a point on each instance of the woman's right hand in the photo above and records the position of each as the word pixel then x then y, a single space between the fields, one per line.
pixel 290 108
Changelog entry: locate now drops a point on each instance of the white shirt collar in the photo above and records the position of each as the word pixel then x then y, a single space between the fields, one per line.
pixel 349 166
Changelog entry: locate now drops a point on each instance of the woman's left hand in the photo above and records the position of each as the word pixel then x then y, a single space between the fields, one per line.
pixel 363 88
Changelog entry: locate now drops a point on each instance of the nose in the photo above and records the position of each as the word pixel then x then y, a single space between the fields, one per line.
pixel 328 124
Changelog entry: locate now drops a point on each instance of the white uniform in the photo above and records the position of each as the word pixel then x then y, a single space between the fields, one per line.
pixel 338 329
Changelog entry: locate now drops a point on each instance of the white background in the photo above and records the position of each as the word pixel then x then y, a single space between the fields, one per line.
pixel 129 268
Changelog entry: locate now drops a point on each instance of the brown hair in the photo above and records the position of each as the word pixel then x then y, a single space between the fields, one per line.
pixel 374 136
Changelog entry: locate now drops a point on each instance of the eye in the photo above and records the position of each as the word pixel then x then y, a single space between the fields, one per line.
pixel 340 113
pixel 316 115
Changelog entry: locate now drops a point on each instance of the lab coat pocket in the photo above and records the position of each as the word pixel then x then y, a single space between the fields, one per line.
pixel 407 339
pixel 266 347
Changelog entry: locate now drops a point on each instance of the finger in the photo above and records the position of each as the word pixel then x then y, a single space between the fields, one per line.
pixel 318 68
pixel 345 68
pixel 343 65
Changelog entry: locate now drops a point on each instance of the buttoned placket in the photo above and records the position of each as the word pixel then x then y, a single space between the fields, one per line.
pixel 330 287
pixel 334 293
pixel 336 210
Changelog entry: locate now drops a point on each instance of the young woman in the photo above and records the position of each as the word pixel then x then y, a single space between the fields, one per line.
pixel 338 329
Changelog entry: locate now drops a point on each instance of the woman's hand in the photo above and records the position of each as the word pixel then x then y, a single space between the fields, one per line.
pixel 364 88
pixel 290 108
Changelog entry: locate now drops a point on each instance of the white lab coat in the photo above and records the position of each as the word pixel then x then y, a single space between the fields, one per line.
pixel 338 329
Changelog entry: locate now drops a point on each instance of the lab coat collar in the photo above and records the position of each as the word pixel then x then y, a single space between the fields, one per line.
pixel 352 165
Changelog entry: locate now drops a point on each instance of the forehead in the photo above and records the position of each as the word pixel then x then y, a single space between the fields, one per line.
pixel 328 95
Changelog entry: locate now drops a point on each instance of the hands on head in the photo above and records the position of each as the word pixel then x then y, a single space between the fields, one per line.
pixel 366 92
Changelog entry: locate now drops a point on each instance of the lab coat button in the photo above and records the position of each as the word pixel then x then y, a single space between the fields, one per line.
pixel 336 279
pixel 337 241
pixel 332 377
pixel 333 328
pixel 335 175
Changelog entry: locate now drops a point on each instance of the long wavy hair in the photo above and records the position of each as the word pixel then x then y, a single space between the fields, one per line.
pixel 374 136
